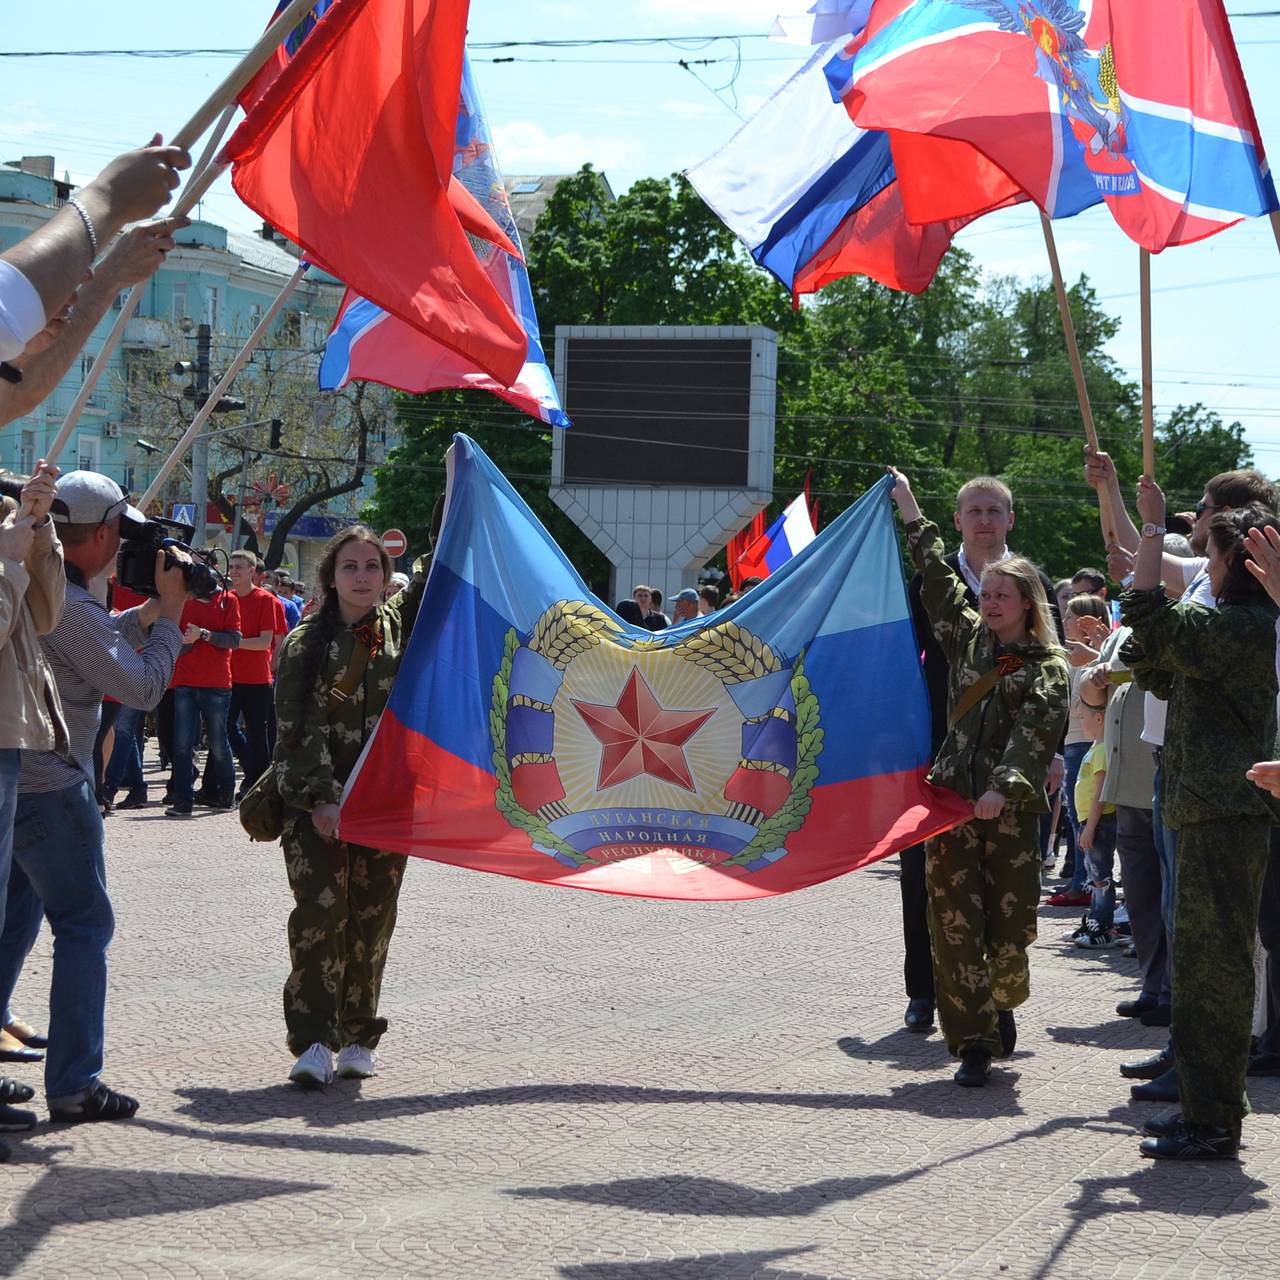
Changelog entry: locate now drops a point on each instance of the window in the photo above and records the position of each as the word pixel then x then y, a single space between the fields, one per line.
pixel 27 463
pixel 255 316
pixel 86 365
pixel 179 302
pixel 127 478
pixel 211 307
pixel 87 452
pixel 290 329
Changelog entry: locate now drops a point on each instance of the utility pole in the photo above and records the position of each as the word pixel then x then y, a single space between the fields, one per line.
pixel 200 451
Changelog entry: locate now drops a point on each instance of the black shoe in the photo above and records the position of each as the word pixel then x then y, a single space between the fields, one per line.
pixel 100 1103
pixel 919 1014
pixel 1162 1089
pixel 1193 1142
pixel 178 811
pixel 1008 1032
pixel 134 800
pixel 4 1151
pixel 1136 1008
pixel 1264 1064
pixel 975 1067
pixel 1147 1068
pixel 1162 1126
pixel 14 1090
pixel 1160 1016
pixel 16 1120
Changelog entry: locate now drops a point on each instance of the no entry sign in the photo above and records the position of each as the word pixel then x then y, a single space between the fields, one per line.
pixel 394 543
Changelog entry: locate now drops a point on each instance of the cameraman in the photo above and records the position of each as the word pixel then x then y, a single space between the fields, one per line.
pixel 57 836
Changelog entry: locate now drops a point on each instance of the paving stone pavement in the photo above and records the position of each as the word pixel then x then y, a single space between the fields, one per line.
pixel 599 1088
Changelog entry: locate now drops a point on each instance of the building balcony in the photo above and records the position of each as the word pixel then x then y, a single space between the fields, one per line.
pixel 143 333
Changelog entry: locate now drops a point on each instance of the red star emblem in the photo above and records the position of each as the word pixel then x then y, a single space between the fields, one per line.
pixel 640 736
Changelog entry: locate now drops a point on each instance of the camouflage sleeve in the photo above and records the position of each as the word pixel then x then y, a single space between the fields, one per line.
pixel 1037 730
pixel 942 590
pixel 303 762
pixel 1186 639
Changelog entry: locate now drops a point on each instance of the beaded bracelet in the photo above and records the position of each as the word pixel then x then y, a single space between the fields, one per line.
pixel 74 202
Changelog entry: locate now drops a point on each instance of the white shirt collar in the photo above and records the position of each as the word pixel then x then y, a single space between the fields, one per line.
pixel 973 579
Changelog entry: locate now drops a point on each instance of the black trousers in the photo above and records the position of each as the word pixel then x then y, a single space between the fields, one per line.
pixel 1269 931
pixel 917 965
pixel 248 723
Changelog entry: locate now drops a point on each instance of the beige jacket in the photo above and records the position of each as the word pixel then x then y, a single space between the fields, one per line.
pixel 31 598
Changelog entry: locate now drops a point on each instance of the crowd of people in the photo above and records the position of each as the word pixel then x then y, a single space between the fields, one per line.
pixel 1154 727
pixel 1139 702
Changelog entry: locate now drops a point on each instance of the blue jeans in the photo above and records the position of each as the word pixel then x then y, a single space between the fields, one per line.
pixel 1100 862
pixel 190 706
pixel 58 870
pixel 10 766
pixel 125 766
pixel 1074 753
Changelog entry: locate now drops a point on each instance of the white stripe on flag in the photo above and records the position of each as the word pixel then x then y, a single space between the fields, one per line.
pixel 861 69
pixel 1185 115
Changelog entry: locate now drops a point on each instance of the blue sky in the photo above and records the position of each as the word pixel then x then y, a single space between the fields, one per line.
pixel 634 112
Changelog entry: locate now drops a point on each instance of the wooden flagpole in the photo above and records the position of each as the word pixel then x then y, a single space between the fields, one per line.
pixel 206 411
pixel 1275 227
pixel 1110 531
pixel 221 101
pixel 1148 382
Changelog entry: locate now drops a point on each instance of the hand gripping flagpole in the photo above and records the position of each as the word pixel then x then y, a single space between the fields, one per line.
pixel 1148 384
pixel 1109 527
pixel 210 405
pixel 203 176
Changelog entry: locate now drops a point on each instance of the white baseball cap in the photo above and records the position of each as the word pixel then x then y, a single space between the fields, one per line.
pixel 88 497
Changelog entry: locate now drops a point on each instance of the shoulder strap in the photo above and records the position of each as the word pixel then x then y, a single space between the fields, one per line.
pixel 361 652
pixel 1007 664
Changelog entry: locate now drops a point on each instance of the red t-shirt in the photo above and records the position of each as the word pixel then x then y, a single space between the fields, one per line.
pixel 206 666
pixel 123 598
pixel 260 611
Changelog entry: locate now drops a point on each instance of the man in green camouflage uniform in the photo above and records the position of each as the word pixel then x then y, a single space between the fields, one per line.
pixel 984 876
pixel 345 895
pixel 1217 669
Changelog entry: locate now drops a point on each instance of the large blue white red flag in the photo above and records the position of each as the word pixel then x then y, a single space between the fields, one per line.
pixel 814 197
pixel 1138 103
pixel 371 344
pixel 769 746
pixel 824 20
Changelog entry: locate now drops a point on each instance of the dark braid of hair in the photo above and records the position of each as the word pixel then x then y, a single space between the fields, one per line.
pixel 320 634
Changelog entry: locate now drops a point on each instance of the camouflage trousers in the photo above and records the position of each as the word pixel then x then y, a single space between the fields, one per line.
pixel 984 888
pixel 339 933
pixel 1221 866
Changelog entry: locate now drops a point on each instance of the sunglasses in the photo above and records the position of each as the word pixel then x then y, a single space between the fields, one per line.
pixel 1202 506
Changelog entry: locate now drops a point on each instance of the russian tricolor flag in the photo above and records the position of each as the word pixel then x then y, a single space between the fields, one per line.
pixel 533 733
pixel 786 537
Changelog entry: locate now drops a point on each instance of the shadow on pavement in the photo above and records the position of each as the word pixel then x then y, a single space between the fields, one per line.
pixel 280 1141
pixel 66 1196
pixel 720 1266
pixel 1115 1033
pixel 332 1108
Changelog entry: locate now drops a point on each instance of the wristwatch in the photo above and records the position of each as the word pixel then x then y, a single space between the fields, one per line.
pixel 1153 531
pixel 204 633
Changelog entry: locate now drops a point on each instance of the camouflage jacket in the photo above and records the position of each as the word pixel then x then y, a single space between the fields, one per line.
pixel 1007 741
pixel 1220 668
pixel 316 749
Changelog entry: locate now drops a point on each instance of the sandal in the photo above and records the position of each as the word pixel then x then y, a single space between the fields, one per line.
pixel 100 1103
pixel 14 1091
pixel 25 1032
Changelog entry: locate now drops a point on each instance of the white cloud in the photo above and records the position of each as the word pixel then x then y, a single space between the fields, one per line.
pixel 526 147
pixel 19 120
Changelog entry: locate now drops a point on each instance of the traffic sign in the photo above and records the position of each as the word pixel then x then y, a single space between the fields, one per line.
pixel 394 543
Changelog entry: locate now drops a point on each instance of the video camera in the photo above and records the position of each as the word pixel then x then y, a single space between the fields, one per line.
pixel 136 561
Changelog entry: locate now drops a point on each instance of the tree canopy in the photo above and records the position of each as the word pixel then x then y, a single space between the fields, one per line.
pixel 970 377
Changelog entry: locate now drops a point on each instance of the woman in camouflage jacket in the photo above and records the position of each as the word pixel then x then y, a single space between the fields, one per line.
pixel 983 877
pixel 1216 666
pixel 341 925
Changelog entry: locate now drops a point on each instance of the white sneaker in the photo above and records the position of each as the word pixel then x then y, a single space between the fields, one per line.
pixel 314 1068
pixel 355 1062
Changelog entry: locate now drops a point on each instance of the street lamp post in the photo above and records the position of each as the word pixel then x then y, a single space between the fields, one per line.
pixel 200 451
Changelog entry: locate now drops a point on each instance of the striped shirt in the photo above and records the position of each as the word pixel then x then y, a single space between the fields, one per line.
pixel 91 654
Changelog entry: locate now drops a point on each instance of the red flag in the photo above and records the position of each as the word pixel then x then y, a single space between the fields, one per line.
pixel 737 547
pixel 349 153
